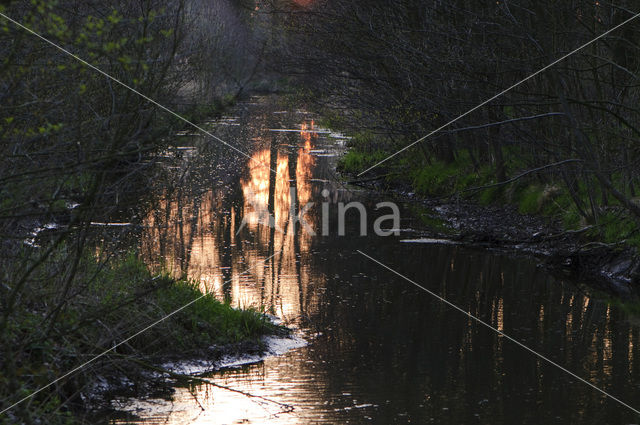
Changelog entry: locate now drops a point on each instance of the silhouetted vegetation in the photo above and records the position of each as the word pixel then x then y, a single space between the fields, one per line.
pixel 563 142
pixel 80 148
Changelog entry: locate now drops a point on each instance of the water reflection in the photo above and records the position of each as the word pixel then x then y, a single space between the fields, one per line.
pixel 216 236
pixel 388 352
pixel 381 351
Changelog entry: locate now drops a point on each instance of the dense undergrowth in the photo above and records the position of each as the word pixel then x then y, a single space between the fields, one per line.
pixel 79 148
pixel 119 298
pixel 536 193
pixel 557 139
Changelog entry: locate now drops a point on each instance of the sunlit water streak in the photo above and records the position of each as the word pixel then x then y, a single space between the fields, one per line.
pixel 380 351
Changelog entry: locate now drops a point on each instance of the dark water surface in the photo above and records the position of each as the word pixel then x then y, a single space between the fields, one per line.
pixel 380 350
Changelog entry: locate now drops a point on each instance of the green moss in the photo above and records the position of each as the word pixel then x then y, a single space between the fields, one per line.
pixel 530 200
pixel 441 178
pixel 572 219
pixel 490 195
pixel 356 161
pixel 437 178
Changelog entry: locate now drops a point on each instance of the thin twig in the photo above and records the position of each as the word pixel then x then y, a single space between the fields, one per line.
pixel 287 407
pixel 493 124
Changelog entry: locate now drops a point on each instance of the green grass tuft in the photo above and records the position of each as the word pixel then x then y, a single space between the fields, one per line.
pixel 355 161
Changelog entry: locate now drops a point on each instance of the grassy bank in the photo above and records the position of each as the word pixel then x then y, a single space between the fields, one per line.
pixel 118 298
pixel 544 193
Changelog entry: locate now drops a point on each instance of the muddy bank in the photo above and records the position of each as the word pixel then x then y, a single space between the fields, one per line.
pixel 156 377
pixel 613 268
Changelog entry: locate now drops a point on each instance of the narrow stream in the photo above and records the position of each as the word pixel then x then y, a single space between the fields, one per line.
pixel 380 350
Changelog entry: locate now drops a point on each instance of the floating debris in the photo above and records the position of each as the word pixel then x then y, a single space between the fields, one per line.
pixel 335 135
pixel 292 130
pixel 185 133
pixel 430 241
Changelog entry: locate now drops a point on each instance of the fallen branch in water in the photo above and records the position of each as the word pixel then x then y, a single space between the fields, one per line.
pixel 287 408
pixel 567 232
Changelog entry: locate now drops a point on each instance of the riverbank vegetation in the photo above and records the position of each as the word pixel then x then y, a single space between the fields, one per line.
pixel 80 145
pixel 79 151
pixel 562 143
pixel 530 194
pixel 114 300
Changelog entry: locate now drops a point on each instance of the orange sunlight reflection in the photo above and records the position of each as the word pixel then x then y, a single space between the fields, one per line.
pixel 196 237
